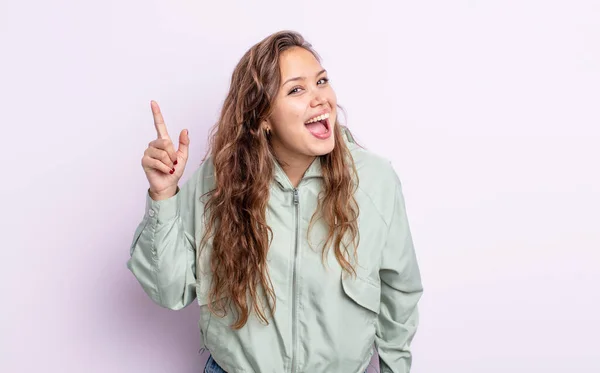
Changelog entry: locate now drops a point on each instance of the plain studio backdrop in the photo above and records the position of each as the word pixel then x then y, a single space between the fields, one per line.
pixel 489 111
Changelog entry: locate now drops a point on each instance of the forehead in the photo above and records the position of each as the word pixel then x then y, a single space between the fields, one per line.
pixel 298 62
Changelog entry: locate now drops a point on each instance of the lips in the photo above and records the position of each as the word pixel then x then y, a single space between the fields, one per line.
pixel 318 125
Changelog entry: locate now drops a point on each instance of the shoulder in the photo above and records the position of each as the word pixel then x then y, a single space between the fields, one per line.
pixel 377 178
pixel 375 172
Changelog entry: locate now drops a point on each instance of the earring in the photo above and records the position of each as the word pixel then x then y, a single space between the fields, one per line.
pixel 268 131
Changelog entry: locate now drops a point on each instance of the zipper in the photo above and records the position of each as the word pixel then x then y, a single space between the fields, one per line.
pixel 295 285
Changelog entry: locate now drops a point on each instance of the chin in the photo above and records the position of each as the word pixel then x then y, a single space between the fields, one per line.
pixel 325 147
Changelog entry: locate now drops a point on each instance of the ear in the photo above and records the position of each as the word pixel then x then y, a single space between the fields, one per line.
pixel 265 126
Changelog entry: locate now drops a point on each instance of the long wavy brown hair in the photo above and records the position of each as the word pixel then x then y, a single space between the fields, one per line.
pixel 244 164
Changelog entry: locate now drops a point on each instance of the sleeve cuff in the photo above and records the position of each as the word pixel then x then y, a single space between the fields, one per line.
pixel 162 210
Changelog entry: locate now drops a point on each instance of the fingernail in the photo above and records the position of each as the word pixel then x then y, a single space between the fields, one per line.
pixel 175 163
pixel 171 172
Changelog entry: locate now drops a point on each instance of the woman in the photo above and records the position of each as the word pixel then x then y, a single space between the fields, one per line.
pixel 296 265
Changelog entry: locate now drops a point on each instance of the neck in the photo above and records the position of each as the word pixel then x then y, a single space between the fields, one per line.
pixel 295 166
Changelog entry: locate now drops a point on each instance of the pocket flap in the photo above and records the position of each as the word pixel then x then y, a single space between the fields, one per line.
pixel 363 292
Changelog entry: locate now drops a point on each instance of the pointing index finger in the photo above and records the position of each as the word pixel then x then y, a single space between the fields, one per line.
pixel 159 122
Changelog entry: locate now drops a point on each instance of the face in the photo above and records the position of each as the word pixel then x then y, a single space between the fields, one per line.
pixel 304 110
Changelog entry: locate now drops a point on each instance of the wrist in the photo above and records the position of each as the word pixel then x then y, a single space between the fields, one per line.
pixel 165 194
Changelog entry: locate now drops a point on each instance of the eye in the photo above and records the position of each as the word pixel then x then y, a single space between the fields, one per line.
pixel 294 90
pixel 297 89
pixel 324 80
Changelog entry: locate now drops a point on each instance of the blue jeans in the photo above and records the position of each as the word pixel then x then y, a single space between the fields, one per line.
pixel 213 367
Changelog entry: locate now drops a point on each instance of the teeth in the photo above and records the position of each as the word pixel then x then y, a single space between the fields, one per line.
pixel 320 117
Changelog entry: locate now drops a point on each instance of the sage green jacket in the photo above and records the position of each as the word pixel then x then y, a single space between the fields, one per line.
pixel 323 322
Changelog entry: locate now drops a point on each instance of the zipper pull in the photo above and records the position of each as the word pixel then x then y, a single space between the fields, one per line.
pixel 296 198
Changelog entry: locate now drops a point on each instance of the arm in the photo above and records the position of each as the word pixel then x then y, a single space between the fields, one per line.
pixel 163 251
pixel 401 290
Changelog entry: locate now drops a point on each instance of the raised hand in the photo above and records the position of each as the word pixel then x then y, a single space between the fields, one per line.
pixel 163 164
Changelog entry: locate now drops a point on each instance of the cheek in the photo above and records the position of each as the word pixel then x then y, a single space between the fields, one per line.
pixel 297 111
pixel 331 97
pixel 289 116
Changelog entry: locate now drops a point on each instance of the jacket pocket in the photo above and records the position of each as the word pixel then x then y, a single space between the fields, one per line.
pixel 364 292
pixel 360 316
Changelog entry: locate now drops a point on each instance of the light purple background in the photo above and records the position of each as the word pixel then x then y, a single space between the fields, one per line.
pixel 488 109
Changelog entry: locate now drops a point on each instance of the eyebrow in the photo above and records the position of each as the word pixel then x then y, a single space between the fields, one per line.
pixel 302 77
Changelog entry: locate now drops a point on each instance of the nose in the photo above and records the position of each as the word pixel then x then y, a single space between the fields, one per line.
pixel 317 99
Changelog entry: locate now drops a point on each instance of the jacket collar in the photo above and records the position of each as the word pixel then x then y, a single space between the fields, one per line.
pixel 313 171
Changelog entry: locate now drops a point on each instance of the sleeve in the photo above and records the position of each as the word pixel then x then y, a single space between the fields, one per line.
pixel 401 290
pixel 163 251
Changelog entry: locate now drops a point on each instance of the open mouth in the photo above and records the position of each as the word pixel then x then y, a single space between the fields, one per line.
pixel 318 125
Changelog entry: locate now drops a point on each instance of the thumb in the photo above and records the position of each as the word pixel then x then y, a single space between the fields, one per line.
pixel 184 142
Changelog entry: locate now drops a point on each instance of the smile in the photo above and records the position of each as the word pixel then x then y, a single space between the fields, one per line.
pixel 319 126
pixel 318 118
